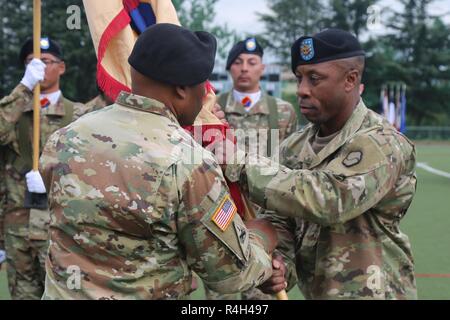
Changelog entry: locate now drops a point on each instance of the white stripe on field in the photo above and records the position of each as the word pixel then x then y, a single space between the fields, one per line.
pixel 426 167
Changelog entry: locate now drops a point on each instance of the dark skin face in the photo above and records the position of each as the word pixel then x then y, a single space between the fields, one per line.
pixel 328 92
pixel 184 101
pixel 54 69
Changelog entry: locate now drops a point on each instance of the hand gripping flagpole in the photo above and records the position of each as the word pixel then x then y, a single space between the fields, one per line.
pixel 36 200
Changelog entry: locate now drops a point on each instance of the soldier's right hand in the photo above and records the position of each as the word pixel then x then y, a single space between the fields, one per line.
pixel 268 232
pixel 34 73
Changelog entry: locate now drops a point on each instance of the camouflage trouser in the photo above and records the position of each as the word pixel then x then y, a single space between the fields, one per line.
pixel 25 258
pixel 251 294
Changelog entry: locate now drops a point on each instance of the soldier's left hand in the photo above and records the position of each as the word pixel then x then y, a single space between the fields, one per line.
pixel 277 281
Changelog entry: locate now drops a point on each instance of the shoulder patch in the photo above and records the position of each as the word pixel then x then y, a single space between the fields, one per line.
pixel 352 158
pixel 224 214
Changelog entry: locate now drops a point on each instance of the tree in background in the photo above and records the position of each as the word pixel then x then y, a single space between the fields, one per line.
pixel 16 26
pixel 415 51
pixel 288 20
pixel 351 15
pixel 79 81
pixel 199 15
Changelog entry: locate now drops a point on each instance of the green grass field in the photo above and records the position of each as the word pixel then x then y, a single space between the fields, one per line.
pixel 427 223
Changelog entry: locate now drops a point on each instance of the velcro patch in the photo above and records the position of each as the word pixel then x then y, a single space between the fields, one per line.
pixel 224 213
pixel 352 159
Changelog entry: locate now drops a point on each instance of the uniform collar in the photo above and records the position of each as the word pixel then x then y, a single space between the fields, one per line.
pixel 352 125
pixel 56 109
pixel 233 106
pixel 145 104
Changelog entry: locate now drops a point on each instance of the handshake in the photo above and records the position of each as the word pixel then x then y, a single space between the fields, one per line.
pixel 276 282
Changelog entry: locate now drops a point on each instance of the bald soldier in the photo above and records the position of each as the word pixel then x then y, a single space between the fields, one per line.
pixel 344 183
pixel 246 106
pixel 136 203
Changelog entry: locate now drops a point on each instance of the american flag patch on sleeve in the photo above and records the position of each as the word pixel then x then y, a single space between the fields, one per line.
pixel 224 213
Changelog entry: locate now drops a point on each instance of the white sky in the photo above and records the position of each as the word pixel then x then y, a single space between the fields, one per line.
pixel 241 14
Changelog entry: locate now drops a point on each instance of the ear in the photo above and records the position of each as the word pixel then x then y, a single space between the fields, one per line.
pixel 180 92
pixel 62 68
pixel 351 80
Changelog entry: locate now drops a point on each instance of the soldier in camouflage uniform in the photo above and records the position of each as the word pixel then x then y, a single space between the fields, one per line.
pixel 26 229
pixel 344 183
pixel 98 102
pixel 248 108
pixel 136 203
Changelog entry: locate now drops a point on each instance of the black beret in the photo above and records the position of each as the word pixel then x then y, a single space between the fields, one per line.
pixel 175 55
pixel 47 46
pixel 249 45
pixel 327 45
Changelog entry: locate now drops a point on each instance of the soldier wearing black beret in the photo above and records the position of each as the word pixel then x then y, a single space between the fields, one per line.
pixel 48 45
pixel 249 45
pixel 177 59
pixel 26 229
pixel 345 183
pixel 174 55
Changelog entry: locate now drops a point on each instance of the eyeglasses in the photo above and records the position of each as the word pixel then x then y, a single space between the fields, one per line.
pixel 45 61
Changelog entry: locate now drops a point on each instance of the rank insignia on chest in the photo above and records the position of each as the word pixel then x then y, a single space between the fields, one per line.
pixel 224 214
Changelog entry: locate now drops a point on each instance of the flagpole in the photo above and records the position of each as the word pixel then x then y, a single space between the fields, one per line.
pixel 37 88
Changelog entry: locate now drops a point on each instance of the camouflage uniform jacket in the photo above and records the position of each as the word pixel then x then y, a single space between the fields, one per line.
pixel 342 207
pixel 13 108
pixel 134 203
pixel 97 103
pixel 258 117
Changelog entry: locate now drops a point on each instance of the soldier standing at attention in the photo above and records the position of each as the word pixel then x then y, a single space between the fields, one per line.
pixel 26 229
pixel 136 203
pixel 247 107
pixel 2 202
pixel 344 184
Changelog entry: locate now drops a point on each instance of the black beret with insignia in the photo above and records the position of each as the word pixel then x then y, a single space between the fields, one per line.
pixel 327 45
pixel 47 46
pixel 174 55
pixel 249 45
